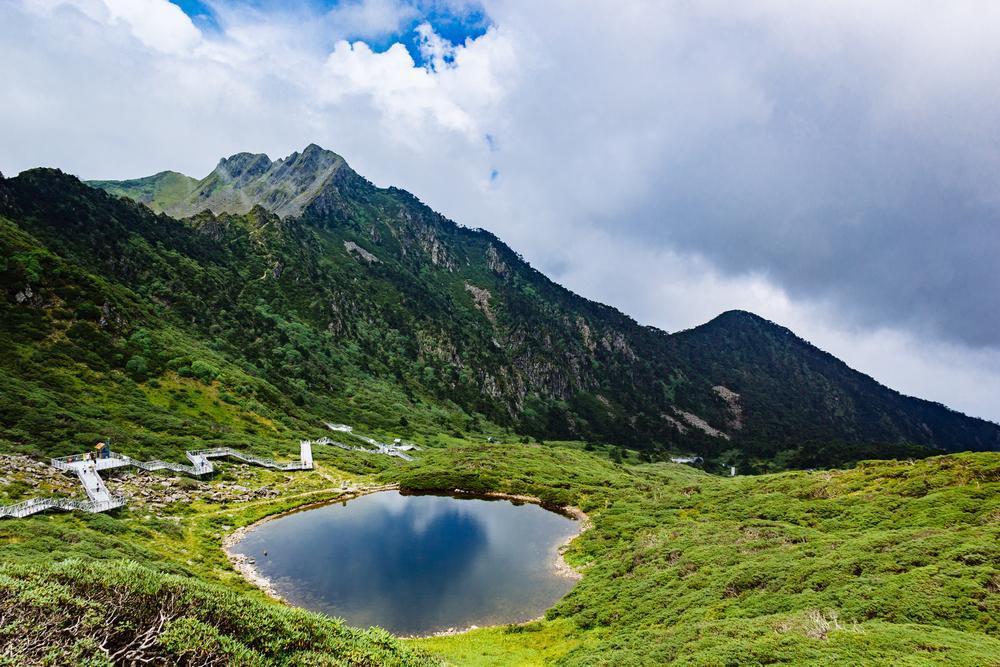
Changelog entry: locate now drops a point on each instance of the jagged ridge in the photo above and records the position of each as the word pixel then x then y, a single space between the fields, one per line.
pixel 237 184
pixel 452 316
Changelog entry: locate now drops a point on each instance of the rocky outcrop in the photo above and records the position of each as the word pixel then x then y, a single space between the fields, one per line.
pixel 361 253
pixel 700 424
pixel 496 263
pixel 315 177
pixel 734 405
pixel 681 428
pixel 481 299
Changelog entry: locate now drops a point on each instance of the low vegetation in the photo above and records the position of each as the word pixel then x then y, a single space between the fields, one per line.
pixel 98 613
pixel 886 562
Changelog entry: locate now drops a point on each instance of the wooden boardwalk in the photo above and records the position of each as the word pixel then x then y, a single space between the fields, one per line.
pixel 100 499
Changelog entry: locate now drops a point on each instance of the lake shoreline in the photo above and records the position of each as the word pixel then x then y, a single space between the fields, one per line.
pixel 559 564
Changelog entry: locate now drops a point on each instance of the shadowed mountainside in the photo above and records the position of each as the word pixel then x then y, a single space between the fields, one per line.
pixel 312 294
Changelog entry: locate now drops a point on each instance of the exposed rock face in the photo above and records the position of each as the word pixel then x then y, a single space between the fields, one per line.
pixel 681 428
pixel 585 333
pixel 213 229
pixel 242 181
pixel 481 297
pixel 615 341
pixel 496 263
pixel 24 295
pixel 360 252
pixel 732 400
pixel 438 253
pixel 700 424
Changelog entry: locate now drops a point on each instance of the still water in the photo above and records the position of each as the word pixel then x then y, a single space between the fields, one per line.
pixel 415 564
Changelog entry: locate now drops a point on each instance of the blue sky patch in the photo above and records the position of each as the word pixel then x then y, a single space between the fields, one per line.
pixel 200 13
pixel 453 24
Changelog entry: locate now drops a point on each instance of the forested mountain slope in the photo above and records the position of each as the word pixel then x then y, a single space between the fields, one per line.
pixel 309 294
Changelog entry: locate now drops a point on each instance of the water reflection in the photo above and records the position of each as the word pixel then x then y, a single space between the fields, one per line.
pixel 415 564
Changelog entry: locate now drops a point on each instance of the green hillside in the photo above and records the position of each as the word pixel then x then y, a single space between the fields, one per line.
pixel 371 309
pixel 889 563
pixel 159 191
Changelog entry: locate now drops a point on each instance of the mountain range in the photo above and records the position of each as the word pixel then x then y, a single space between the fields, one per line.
pixel 271 296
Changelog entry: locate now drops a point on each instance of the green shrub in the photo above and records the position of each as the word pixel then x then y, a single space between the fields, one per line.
pixel 137 367
pixel 204 371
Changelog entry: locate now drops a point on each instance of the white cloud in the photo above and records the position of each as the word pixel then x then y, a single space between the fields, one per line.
pixel 405 96
pixel 158 24
pixel 371 18
pixel 830 165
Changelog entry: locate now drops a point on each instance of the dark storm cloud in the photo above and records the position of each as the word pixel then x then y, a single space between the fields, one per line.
pixel 886 233
pixel 853 158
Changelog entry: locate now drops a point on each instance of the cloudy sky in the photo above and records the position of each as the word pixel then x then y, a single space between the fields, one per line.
pixel 833 166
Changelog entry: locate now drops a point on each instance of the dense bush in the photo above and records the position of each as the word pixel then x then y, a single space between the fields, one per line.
pixel 118 612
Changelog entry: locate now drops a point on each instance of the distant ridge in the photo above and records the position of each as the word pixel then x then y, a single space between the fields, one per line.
pixel 361 304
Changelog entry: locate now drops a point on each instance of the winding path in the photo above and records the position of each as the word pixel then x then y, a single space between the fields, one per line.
pixel 100 499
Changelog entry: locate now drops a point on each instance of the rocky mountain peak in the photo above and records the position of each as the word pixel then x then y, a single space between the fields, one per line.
pixel 241 181
pixel 244 166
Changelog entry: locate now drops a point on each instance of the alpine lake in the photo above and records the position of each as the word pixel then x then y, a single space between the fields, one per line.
pixel 416 565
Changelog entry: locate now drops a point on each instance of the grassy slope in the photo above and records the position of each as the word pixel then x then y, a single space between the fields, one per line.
pixel 159 192
pixel 65 386
pixel 888 562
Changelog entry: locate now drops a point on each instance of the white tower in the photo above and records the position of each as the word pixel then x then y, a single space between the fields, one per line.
pixel 306 454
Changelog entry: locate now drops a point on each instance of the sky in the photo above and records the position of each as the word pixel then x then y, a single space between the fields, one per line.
pixel 832 166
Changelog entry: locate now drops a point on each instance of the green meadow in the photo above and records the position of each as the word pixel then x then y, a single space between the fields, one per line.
pixel 888 562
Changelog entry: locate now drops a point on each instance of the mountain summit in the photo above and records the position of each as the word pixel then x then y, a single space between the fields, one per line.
pixel 307 294
pixel 238 183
